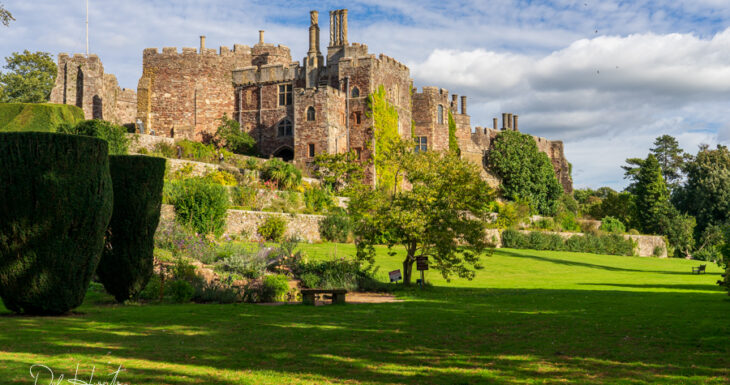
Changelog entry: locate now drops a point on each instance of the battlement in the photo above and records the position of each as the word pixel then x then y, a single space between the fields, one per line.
pixel 390 61
pixel 432 91
pixel 223 51
pixel 267 73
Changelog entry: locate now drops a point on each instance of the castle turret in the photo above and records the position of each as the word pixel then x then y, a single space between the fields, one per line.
pixel 314 61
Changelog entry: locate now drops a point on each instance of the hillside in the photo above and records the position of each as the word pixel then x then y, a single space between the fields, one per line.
pixel 37 117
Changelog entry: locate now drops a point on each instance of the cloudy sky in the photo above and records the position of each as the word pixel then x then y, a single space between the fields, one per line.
pixel 606 77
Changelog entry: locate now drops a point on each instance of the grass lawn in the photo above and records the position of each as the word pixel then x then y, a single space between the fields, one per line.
pixel 528 317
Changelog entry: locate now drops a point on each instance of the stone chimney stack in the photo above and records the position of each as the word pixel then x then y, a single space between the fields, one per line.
pixel 496 122
pixel 202 44
pixel 514 124
pixel 463 105
pixel 505 125
pixel 338 28
pixel 509 121
pixel 261 37
pixel 314 33
pixel 454 102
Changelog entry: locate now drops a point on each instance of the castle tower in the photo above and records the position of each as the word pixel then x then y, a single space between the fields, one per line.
pixel 314 60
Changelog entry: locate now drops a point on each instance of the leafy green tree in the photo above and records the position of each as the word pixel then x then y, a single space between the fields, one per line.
pixel 29 79
pixel 617 205
pixel 679 230
pixel 5 16
pixel 230 136
pixel 706 194
pixel 284 174
pixel 443 215
pixel 525 171
pixel 652 196
pixel 337 171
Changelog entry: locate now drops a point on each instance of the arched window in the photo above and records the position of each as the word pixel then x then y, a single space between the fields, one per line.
pixel 311 115
pixel 355 92
pixel 441 114
pixel 285 128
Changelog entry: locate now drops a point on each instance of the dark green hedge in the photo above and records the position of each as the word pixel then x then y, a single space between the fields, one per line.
pixel 42 117
pixel 55 204
pixel 588 243
pixel 127 261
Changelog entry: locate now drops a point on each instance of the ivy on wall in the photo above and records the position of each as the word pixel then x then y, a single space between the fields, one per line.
pixel 453 143
pixel 385 130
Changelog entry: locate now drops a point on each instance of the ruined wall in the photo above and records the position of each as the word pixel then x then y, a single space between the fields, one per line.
pixel 81 81
pixel 188 91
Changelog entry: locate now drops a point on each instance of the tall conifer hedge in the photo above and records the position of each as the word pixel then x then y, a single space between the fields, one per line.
pixel 127 262
pixel 55 204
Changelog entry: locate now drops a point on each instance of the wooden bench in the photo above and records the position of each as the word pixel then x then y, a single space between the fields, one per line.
pixel 699 269
pixel 337 295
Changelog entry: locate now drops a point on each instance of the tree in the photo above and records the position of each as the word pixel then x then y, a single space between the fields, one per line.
pixel 671 159
pixel 5 16
pixel 706 194
pixel 617 205
pixel 30 78
pixel 230 136
pixel 337 171
pixel 525 171
pixel 631 172
pixel 443 215
pixel 652 197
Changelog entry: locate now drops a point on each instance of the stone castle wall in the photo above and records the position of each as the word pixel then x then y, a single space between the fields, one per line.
pixel 81 81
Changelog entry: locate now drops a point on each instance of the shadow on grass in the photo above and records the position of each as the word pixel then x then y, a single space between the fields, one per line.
pixel 707 287
pixel 593 265
pixel 453 336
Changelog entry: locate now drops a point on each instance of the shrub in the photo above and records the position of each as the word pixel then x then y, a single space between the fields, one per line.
pixel 659 251
pixel 275 288
pixel 113 134
pixel 612 225
pixel 588 243
pixel 246 197
pixel 127 261
pixel 200 204
pixel 334 274
pixel 567 221
pixel 214 292
pixel 182 241
pixel 180 290
pixel 231 137
pixel 512 214
pixel 166 150
pixel 285 175
pixel 55 205
pixel 197 151
pixel 223 178
pixel 335 227
pixel 246 262
pixel 317 200
pixel 310 280
pixel 273 228
pixel 151 291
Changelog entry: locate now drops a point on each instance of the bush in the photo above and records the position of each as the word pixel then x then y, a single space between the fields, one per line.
pixel 512 214
pixel 588 243
pixel 659 251
pixel 335 227
pixel 127 261
pixel 197 151
pixel 182 241
pixel 231 137
pixel 285 175
pixel 275 288
pixel 55 205
pixel 214 292
pixel 166 150
pixel 200 204
pixel 151 291
pixel 113 134
pixel 246 262
pixel 246 197
pixel 310 280
pixel 333 274
pixel 612 225
pixel 318 200
pixel 273 228
pixel 180 290
pixel 223 178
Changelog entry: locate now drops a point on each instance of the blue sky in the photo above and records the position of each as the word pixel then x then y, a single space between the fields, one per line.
pixel 606 77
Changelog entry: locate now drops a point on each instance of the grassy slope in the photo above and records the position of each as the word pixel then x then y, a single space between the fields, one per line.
pixel 529 317
pixel 37 117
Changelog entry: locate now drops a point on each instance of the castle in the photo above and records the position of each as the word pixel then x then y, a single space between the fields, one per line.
pixel 293 110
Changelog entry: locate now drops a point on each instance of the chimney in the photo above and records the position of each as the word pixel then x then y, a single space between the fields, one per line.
pixel 261 37
pixel 496 122
pixel 344 27
pixel 202 44
pixel 514 124
pixel 454 102
pixel 314 32
pixel 509 121
pixel 463 105
pixel 504 121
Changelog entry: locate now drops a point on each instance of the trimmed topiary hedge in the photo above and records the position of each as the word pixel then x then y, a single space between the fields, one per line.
pixel 609 244
pixel 42 117
pixel 127 261
pixel 55 205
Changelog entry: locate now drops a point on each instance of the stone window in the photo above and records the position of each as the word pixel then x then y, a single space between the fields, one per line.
pixel 356 117
pixel 421 143
pixel 285 95
pixel 311 114
pixel 358 153
pixel 285 128
pixel 311 150
pixel 355 92
pixel 441 114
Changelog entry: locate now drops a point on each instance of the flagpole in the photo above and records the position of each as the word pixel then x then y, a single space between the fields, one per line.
pixel 87 28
